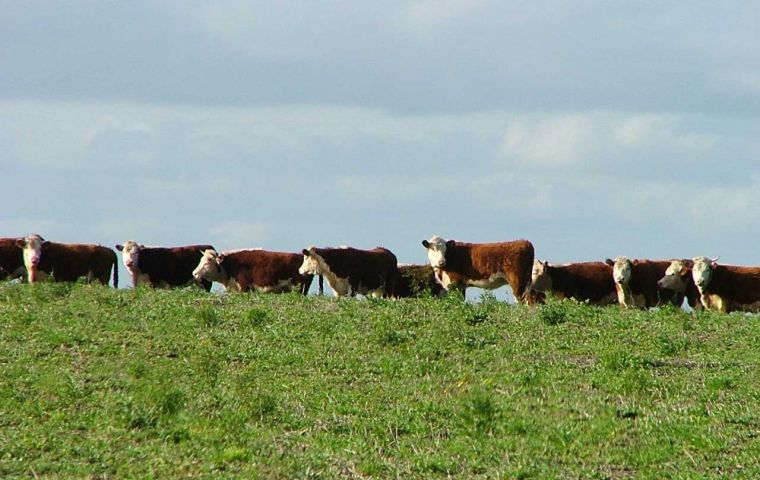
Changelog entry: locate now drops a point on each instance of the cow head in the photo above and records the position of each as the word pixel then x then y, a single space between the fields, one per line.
pixel 313 263
pixel 621 269
pixel 436 250
pixel 540 279
pixel 32 247
pixel 210 267
pixel 130 254
pixel 676 276
pixel 701 272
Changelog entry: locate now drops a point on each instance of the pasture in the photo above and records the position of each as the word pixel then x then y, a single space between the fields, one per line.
pixel 103 383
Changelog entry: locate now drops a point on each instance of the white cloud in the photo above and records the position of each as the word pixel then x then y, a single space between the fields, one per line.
pixel 429 15
pixel 556 142
pixel 239 234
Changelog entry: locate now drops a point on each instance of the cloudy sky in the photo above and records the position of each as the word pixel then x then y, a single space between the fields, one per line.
pixel 592 128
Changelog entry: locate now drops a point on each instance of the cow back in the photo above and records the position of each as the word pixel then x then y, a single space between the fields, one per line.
pixel 263 268
pixel 583 281
pixel 69 262
pixel 371 269
pixel 172 266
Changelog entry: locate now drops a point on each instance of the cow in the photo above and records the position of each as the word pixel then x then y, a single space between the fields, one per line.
pixel 67 262
pixel 726 288
pixel 246 270
pixel 416 280
pixel 636 282
pixel 458 265
pixel 678 278
pixel 162 266
pixel 350 271
pixel 11 260
pixel 590 282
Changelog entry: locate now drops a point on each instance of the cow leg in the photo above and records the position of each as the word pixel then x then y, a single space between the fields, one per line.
pixel 519 287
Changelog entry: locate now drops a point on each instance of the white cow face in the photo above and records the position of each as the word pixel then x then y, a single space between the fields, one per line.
pixel 130 253
pixel 621 270
pixel 701 272
pixel 313 263
pixel 674 276
pixel 32 247
pixel 540 279
pixel 209 267
pixel 436 250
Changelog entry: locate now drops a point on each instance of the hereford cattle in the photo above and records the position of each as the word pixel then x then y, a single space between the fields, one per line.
pixel 11 260
pixel 350 271
pixel 726 288
pixel 678 278
pixel 590 282
pixel 162 266
pixel 246 270
pixel 458 265
pixel 67 262
pixel 416 280
pixel 636 282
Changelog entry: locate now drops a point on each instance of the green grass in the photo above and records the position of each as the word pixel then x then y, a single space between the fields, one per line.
pixel 98 383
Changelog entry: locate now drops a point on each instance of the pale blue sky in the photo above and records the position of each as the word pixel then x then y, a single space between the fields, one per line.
pixel 592 128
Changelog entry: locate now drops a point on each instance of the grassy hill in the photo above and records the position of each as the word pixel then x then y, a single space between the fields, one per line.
pixel 98 383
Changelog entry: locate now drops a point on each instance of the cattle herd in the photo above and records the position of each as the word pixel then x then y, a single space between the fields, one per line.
pixel 453 265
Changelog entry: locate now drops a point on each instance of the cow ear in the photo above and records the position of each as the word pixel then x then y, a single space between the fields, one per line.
pixel 305 252
pixel 714 262
pixel 119 247
pixel 21 243
pixel 450 243
pixel 635 262
pixel 219 259
pixel 426 244
pixel 609 262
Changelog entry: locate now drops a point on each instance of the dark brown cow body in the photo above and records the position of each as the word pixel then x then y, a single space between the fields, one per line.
pixel 11 259
pixel 165 266
pixel 730 288
pixel 485 265
pixel 68 262
pixel 641 288
pixel 590 282
pixel 416 280
pixel 350 271
pixel 246 270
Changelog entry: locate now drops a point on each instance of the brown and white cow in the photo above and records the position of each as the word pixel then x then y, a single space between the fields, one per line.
pixel 350 271
pixel 590 282
pixel 726 288
pixel 246 270
pixel 678 278
pixel 67 262
pixel 11 260
pixel 162 266
pixel 416 280
pixel 459 265
pixel 636 282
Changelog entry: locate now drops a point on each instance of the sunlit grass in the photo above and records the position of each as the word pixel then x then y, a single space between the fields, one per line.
pixel 100 383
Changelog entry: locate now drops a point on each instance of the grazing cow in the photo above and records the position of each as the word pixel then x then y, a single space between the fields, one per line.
pixel 350 271
pixel 416 280
pixel 67 262
pixel 458 265
pixel 678 278
pixel 590 282
pixel 246 270
pixel 11 260
pixel 636 283
pixel 161 266
pixel 726 288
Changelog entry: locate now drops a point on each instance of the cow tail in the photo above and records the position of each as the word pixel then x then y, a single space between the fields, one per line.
pixel 115 272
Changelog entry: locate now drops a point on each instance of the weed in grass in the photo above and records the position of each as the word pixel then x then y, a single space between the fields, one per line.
pixel 479 411
pixel 553 313
pixel 208 316
pixel 256 316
